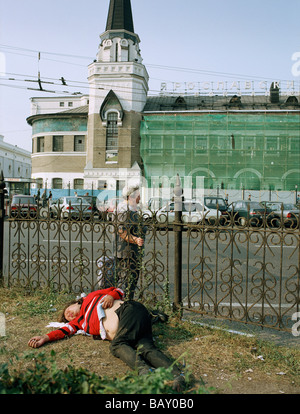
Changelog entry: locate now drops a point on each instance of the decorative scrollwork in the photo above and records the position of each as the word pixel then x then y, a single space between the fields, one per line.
pixel 243 270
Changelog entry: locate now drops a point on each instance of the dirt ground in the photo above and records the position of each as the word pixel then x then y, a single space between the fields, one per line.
pixel 226 363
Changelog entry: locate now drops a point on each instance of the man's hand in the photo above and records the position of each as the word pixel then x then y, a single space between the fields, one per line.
pixel 38 341
pixel 139 241
pixel 107 302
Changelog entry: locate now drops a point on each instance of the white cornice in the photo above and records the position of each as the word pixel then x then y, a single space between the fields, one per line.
pixel 58 154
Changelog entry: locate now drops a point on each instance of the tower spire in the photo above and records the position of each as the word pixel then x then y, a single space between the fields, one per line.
pixel 120 16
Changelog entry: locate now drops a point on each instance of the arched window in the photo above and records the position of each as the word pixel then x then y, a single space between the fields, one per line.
pixel 112 137
pixel 291 100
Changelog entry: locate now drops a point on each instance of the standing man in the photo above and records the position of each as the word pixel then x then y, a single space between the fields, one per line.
pixel 131 235
pixel 44 198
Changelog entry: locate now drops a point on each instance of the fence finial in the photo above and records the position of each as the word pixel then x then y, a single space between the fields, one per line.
pixel 178 189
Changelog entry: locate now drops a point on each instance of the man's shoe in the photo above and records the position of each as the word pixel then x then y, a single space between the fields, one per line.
pixel 158 316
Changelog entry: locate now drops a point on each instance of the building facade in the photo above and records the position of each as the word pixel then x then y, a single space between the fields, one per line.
pixel 107 122
pixel 118 133
pixel 230 143
pixel 15 163
pixel 59 140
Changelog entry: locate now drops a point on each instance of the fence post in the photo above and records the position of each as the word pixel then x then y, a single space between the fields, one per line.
pixel 2 216
pixel 177 305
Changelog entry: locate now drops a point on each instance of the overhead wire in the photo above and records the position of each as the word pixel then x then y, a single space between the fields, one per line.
pixel 148 65
pixel 74 84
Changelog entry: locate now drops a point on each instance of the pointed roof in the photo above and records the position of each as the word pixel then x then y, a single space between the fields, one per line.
pixel 120 16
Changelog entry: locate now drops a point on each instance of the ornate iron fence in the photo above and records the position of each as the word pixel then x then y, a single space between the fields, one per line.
pixel 222 267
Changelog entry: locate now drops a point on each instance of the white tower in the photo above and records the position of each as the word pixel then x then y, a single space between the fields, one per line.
pixel 118 92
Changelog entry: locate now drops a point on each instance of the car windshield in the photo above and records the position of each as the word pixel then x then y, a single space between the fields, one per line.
pixel 23 200
pixel 212 202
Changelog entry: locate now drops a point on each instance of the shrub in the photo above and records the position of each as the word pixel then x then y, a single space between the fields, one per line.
pixel 43 377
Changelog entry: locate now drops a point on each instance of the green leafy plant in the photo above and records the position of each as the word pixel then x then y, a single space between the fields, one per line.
pixel 42 376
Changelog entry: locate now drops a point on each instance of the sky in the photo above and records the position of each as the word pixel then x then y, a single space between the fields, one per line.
pixel 182 42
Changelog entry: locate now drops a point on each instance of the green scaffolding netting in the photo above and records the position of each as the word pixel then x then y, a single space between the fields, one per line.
pixel 255 151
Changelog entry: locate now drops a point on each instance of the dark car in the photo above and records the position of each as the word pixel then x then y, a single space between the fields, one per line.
pixel 215 203
pixel 286 213
pixel 248 213
pixel 218 209
pixel 23 206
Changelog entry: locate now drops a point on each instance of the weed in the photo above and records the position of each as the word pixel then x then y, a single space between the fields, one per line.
pixel 43 376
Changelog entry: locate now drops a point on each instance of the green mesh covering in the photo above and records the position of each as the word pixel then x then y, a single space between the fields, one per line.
pixel 255 151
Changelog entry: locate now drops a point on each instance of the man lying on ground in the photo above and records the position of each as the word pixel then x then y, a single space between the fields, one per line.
pixel 126 324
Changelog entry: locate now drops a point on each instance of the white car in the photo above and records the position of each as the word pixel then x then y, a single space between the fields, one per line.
pixel 75 207
pixel 192 212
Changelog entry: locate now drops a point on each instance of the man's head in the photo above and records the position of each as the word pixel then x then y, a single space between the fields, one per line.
pixel 71 311
pixel 132 193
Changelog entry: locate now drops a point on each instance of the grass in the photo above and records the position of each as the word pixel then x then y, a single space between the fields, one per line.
pixel 215 361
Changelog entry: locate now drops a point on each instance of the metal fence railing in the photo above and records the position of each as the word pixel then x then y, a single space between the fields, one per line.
pixel 223 267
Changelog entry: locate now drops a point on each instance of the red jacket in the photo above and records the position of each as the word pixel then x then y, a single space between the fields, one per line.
pixel 88 320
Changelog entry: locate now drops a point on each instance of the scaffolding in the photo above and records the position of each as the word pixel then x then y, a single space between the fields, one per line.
pixel 257 150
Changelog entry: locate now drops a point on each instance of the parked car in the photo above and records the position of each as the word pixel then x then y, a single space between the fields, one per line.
pixel 215 203
pixel 217 207
pixel 192 212
pixel 248 212
pixel 93 200
pixel 23 206
pixel 75 207
pixel 286 213
pixel 109 207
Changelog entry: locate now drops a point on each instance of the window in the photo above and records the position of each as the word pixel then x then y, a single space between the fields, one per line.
pixel 271 144
pixel 57 183
pixel 200 144
pixel 102 185
pixel 58 143
pixel 155 145
pixel 39 182
pixel 249 143
pixel 112 137
pixel 79 143
pixel 70 104
pixel 61 104
pixel 295 145
pixel 179 143
pixel 40 144
pixel 78 184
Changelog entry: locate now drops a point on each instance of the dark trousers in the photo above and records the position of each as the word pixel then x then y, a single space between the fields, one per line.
pixel 128 275
pixel 133 343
